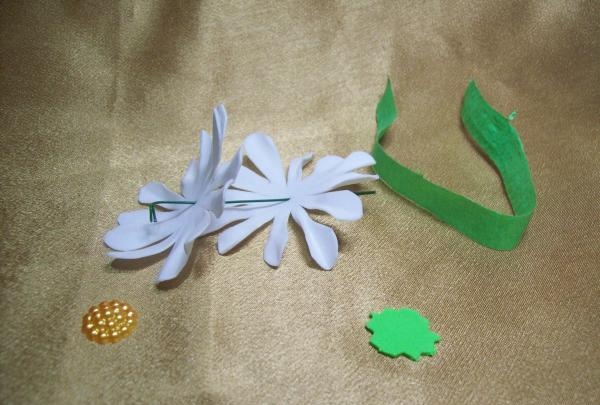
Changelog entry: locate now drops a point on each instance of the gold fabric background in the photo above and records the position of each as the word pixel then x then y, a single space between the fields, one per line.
pixel 99 98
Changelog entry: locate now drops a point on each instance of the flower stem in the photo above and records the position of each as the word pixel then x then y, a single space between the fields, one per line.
pixel 152 205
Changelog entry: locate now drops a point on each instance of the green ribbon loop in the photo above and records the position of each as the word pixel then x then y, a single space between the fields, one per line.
pixel 500 142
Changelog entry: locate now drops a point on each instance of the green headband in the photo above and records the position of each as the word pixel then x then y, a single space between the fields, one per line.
pixel 500 142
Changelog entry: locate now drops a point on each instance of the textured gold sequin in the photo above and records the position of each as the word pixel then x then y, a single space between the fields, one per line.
pixel 109 322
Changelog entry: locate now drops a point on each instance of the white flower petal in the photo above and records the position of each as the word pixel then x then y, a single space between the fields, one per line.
pixel 228 170
pixel 263 153
pixel 190 182
pixel 219 127
pixel 332 166
pixel 145 252
pixel 232 215
pixel 155 191
pixel 136 236
pixel 234 195
pixel 174 263
pixel 231 237
pixel 326 164
pixel 180 252
pixel 143 216
pixel 201 228
pixel 251 181
pixel 339 181
pixel 205 160
pixel 343 205
pixel 295 169
pixel 321 240
pixel 219 123
pixel 278 238
pixel 354 161
pixel 323 170
pixel 213 201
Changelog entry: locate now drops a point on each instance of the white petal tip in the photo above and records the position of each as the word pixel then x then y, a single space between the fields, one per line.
pixel 112 256
pixel 354 218
pixel 221 248
pixel 363 155
pixel 220 111
pixel 109 240
pixel 163 277
pixel 271 261
pixel 257 136
pixel 328 266
pixel 159 280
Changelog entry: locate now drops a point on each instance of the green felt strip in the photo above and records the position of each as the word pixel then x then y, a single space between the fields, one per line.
pixel 500 142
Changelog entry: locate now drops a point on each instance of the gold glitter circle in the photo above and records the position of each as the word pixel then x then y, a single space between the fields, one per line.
pixel 109 322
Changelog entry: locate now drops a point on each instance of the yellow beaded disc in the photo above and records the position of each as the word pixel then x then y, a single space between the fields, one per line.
pixel 109 322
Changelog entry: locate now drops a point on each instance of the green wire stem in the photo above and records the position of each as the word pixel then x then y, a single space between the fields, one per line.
pixel 152 206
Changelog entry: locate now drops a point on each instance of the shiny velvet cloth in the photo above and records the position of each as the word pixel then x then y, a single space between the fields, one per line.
pixel 99 98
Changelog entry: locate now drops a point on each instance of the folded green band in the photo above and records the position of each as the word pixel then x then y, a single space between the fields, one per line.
pixel 500 142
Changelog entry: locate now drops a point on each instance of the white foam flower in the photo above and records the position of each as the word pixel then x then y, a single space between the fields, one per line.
pixel 314 192
pixel 204 183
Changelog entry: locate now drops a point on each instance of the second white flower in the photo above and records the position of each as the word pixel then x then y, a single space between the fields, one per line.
pixel 314 192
